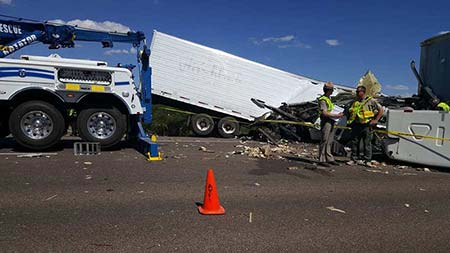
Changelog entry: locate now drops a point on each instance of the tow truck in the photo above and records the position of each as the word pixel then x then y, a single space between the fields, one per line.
pixel 41 96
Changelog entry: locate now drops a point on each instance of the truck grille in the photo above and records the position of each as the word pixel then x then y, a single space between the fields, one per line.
pixel 84 76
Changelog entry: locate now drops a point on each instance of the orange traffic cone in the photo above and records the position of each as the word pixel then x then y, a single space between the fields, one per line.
pixel 211 203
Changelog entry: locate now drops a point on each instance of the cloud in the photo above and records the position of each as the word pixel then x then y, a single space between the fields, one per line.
pixel 443 32
pixel 279 39
pixel 8 2
pixel 108 26
pixel 286 41
pixel 120 51
pixel 333 42
pixel 398 87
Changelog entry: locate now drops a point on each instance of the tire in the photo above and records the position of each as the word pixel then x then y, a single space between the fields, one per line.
pixel 228 127
pixel 4 130
pixel 202 124
pixel 36 125
pixel 104 125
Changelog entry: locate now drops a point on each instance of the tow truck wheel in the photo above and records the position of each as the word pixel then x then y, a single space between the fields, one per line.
pixel 104 125
pixel 4 131
pixel 202 124
pixel 36 125
pixel 228 127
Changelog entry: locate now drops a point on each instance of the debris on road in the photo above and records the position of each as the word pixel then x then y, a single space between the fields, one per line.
pixel 250 217
pixel 407 205
pixel 377 171
pixel 204 149
pixel 88 163
pixel 257 184
pixel 332 208
pixel 88 177
pixel 51 197
pixel 293 168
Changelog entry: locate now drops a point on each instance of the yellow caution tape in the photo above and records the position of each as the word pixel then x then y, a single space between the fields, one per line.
pixel 309 124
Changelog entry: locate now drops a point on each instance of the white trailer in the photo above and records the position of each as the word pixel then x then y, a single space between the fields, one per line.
pixel 214 83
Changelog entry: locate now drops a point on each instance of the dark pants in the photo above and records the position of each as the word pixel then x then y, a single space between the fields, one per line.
pixel 361 132
pixel 327 129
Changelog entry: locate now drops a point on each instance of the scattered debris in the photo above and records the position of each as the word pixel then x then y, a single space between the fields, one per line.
pixel 422 189
pixel 332 208
pixel 140 192
pixel 401 167
pixel 407 205
pixel 423 169
pixel 250 217
pixel 293 168
pixel 377 171
pixel 257 184
pixel 51 197
pixel 426 211
pixel 407 174
pixel 88 163
pixel 88 177
pixel 201 148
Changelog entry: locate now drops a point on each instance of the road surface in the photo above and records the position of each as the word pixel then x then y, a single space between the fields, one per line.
pixel 118 202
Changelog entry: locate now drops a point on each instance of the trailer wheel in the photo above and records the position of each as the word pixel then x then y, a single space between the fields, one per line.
pixel 104 125
pixel 202 124
pixel 36 125
pixel 228 127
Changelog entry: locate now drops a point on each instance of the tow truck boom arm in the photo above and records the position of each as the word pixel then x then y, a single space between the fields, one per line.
pixel 16 34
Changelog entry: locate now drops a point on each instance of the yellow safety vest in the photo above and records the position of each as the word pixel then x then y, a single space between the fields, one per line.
pixel 445 107
pixel 357 112
pixel 327 100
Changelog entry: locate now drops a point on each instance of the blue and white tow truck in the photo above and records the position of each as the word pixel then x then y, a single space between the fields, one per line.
pixel 41 96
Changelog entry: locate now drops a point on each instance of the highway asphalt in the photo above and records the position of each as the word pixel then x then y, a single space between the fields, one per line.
pixel 119 202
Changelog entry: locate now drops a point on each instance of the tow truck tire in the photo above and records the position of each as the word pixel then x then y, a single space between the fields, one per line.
pixel 202 124
pixel 4 130
pixel 104 125
pixel 228 127
pixel 36 125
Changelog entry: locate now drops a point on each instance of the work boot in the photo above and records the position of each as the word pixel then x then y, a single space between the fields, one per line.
pixel 333 163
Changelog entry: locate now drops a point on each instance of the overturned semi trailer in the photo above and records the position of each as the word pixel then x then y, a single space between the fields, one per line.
pixel 218 87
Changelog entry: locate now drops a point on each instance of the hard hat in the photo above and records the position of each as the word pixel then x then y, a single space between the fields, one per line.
pixel 328 85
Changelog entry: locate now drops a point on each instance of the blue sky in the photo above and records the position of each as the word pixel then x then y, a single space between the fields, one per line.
pixel 327 40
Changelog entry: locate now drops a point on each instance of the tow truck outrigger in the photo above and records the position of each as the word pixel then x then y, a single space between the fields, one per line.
pixel 36 92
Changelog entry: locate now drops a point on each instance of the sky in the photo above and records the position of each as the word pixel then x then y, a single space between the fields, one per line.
pixel 334 41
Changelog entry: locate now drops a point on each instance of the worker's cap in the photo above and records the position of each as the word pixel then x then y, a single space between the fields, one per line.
pixel 328 86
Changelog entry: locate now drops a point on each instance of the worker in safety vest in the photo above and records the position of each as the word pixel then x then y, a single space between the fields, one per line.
pixel 441 106
pixel 327 125
pixel 363 114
